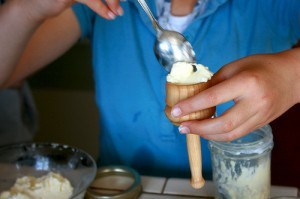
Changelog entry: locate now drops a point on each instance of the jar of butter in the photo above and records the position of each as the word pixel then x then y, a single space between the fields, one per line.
pixel 241 168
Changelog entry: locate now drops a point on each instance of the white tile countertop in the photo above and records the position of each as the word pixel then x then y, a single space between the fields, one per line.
pixel 174 188
pixel 169 188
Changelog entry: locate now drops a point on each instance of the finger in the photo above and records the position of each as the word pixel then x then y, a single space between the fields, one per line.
pixel 227 122
pixel 114 6
pixel 99 7
pixel 229 70
pixel 220 75
pixel 241 131
pixel 218 94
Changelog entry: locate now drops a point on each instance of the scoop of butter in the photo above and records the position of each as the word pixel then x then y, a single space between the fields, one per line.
pixel 189 73
pixel 50 186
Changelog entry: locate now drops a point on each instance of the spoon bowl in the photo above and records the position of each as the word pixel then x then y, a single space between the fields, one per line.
pixel 170 46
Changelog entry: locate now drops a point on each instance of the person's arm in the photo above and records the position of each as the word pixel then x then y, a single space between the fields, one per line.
pixel 53 38
pixel 29 41
pixel 13 35
pixel 262 86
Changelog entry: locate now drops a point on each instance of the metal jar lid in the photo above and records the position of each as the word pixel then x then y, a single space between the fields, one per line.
pixel 132 192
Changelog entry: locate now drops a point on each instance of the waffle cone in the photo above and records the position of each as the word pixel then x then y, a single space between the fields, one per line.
pixel 177 92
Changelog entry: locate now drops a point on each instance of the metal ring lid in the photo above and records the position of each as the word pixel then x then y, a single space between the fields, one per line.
pixel 132 192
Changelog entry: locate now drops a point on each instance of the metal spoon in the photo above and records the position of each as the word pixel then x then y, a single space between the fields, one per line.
pixel 170 46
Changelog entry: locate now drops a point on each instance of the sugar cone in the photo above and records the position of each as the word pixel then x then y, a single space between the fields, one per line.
pixel 174 94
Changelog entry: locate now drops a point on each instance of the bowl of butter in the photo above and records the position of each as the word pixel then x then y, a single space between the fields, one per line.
pixel 44 171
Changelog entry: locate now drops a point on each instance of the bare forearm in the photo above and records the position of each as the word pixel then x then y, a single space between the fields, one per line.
pixel 296 55
pixel 291 60
pixel 52 39
pixel 16 30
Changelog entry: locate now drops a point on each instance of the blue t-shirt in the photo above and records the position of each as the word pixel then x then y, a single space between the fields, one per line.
pixel 130 83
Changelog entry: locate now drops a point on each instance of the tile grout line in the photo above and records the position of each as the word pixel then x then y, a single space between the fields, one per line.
pixel 164 186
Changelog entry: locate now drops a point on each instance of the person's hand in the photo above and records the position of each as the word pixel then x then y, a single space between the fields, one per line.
pixel 262 86
pixel 108 10
pixel 41 9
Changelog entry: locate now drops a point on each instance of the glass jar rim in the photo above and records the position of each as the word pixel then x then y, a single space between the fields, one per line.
pixel 261 143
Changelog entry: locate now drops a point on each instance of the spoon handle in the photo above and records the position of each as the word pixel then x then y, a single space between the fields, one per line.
pixel 147 10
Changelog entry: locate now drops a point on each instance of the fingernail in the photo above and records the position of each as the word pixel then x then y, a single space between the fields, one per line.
pixel 111 15
pixel 120 11
pixel 176 112
pixel 184 129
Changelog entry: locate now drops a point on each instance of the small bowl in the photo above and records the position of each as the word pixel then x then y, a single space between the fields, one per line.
pixel 38 159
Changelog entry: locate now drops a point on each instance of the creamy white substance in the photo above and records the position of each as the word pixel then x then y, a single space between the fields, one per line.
pixel 247 179
pixel 50 186
pixel 188 73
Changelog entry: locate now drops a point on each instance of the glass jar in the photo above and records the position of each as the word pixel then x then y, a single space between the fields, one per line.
pixel 241 168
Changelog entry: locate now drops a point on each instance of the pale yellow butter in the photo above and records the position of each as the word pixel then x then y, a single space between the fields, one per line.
pixel 189 73
pixel 50 186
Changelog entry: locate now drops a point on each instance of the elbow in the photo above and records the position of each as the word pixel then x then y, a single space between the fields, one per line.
pixel 3 83
pixel 10 84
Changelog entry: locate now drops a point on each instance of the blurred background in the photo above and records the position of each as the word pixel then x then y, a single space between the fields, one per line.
pixel 64 97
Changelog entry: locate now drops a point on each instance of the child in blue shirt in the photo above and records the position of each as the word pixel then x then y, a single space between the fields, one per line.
pixel 130 83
